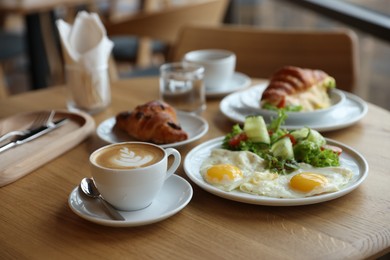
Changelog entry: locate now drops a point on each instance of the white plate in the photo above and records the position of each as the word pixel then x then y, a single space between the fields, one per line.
pixel 174 196
pixel 348 113
pixel 251 98
pixel 195 126
pixel 349 158
pixel 238 82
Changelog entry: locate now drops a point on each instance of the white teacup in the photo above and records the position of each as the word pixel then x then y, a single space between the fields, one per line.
pixel 219 66
pixel 129 175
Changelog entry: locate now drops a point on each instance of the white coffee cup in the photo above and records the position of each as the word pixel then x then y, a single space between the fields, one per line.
pixel 129 175
pixel 219 66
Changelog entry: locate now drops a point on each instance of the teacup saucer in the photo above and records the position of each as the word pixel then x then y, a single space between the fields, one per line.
pixel 239 81
pixel 174 196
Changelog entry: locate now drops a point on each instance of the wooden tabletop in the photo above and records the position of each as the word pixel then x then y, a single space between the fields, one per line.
pixel 37 223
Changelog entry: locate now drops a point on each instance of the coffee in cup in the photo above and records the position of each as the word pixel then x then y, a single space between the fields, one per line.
pixel 129 175
pixel 128 156
pixel 219 66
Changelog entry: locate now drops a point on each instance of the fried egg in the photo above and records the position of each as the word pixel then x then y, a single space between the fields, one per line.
pixel 305 182
pixel 227 170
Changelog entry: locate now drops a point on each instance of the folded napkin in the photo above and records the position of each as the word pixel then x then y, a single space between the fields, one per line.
pixel 86 49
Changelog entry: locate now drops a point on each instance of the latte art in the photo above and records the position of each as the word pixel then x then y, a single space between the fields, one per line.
pixel 129 156
pixel 129 159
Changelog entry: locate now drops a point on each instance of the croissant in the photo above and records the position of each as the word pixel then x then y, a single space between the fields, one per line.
pixel 299 87
pixel 154 122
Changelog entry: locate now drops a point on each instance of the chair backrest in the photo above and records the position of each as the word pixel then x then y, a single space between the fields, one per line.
pixel 261 52
pixel 166 23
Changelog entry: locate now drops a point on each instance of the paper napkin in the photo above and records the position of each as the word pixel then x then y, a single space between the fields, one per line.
pixel 86 50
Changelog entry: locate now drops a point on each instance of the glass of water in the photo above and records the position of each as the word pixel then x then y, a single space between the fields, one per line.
pixel 182 86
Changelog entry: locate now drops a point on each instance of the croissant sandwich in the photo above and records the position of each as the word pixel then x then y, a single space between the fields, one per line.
pixel 298 89
pixel 154 122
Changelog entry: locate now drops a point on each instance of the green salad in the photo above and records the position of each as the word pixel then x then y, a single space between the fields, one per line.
pixel 283 150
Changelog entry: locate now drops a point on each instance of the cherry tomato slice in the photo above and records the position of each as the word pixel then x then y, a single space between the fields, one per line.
pixel 235 141
pixel 333 148
pixel 282 103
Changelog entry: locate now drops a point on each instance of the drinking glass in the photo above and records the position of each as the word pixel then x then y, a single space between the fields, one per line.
pixel 182 86
pixel 88 90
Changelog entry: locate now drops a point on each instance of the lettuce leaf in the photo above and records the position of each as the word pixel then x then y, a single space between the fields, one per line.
pixel 311 153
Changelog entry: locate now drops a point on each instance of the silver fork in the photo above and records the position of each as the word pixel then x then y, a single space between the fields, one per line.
pixel 43 119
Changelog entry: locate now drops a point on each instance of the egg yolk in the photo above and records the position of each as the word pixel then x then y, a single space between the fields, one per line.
pixel 307 181
pixel 223 173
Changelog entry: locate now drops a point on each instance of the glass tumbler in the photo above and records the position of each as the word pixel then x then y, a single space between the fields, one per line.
pixel 182 86
pixel 88 90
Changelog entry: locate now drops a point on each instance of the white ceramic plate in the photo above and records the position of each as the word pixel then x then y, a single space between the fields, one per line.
pixel 348 113
pixel 251 98
pixel 195 126
pixel 238 82
pixel 349 158
pixel 174 196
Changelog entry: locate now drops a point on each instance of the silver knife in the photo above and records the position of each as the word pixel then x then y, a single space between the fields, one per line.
pixel 33 134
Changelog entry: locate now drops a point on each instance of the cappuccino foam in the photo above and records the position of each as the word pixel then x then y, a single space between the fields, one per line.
pixel 128 156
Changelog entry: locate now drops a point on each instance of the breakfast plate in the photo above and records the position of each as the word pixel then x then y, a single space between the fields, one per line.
pixel 195 126
pixel 349 158
pixel 350 111
pixel 174 196
pixel 238 82
pixel 251 98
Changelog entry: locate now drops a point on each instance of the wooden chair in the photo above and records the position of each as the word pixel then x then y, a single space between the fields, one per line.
pixel 261 52
pixel 165 24
pixel 132 49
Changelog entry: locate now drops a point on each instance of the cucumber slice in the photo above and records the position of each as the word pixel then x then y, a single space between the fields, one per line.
pixel 315 137
pixel 283 148
pixel 300 134
pixel 256 129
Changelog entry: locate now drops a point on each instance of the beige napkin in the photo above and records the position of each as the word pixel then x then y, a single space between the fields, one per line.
pixel 86 50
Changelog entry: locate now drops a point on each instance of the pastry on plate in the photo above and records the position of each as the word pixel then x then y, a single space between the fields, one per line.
pixel 298 89
pixel 154 122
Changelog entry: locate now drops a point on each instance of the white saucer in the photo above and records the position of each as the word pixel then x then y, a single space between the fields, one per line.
pixel 174 196
pixel 195 126
pixel 347 113
pixel 238 82
pixel 349 158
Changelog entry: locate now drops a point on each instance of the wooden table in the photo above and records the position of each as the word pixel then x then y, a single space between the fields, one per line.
pixel 37 223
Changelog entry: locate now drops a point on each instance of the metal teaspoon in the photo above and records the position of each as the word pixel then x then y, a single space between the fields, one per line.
pixel 88 187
